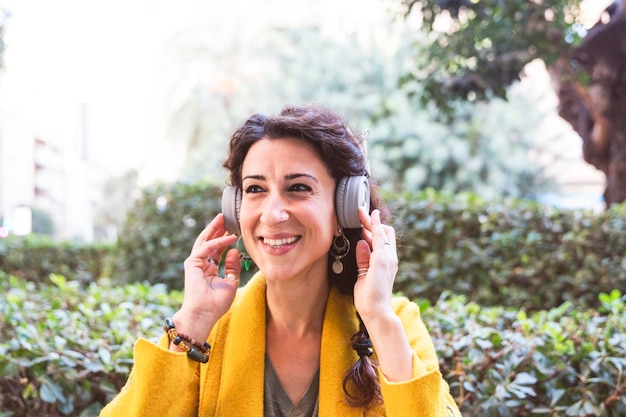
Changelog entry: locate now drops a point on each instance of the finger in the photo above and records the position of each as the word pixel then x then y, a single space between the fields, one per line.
pixel 215 247
pixel 379 237
pixel 367 236
pixel 389 236
pixel 363 254
pixel 366 221
pixel 207 255
pixel 214 229
pixel 232 267
pixel 365 218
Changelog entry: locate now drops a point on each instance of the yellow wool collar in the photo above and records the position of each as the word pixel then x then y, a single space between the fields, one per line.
pixel 243 355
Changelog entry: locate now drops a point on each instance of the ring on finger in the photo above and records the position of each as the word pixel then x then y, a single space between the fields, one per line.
pixel 361 272
pixel 213 261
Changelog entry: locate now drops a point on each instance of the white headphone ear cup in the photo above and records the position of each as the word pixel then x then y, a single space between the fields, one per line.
pixel 231 203
pixel 352 193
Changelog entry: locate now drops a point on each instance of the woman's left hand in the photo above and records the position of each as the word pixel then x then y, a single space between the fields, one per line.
pixel 377 261
pixel 377 255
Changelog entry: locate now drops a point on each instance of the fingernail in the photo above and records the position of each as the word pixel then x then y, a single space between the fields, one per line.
pixel 232 277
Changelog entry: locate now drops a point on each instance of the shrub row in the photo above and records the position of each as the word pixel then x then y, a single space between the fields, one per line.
pixel 35 257
pixel 495 253
pixel 558 362
pixel 514 253
pixel 66 350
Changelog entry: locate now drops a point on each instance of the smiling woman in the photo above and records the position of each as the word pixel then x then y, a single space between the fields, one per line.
pixel 317 332
pixel 286 210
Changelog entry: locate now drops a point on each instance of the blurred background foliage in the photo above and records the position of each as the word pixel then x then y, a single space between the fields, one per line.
pixel 395 71
pixel 476 49
pixel 473 51
pixel 359 77
pixel 492 149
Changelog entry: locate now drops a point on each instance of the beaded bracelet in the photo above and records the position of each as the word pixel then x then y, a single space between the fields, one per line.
pixel 202 348
pixel 195 351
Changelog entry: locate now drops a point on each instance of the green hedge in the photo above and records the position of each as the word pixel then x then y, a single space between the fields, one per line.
pixel 66 350
pixel 513 253
pixel 35 257
pixel 558 362
pixel 160 230
pixel 495 253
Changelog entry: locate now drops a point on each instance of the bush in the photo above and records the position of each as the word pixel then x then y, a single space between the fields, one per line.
pixel 35 257
pixel 513 253
pixel 66 350
pixel 560 362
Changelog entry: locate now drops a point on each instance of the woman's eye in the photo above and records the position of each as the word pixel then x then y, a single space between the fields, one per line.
pixel 299 187
pixel 253 189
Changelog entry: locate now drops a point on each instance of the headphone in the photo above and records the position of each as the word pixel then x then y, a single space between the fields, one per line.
pixel 352 193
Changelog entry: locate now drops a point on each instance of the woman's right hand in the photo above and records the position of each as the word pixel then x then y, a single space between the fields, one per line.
pixel 207 295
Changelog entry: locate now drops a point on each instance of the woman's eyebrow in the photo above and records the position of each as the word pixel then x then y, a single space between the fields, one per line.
pixel 287 177
pixel 254 177
pixel 298 175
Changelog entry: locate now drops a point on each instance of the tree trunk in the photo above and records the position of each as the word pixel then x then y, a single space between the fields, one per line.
pixel 596 109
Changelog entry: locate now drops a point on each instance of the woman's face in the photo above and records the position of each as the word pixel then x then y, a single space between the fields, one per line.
pixel 287 213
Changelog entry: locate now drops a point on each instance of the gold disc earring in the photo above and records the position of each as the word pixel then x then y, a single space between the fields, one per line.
pixel 339 249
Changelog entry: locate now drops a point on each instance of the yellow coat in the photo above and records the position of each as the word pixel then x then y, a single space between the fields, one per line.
pixel 165 383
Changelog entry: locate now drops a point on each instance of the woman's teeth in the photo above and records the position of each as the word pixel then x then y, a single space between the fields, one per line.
pixel 280 242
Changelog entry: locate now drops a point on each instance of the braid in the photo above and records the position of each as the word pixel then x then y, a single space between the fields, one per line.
pixel 361 385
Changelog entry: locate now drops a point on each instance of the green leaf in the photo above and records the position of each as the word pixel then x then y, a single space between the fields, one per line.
pixel 524 378
pixel 556 394
pixel 51 392
pixel 105 355
pixel 58 280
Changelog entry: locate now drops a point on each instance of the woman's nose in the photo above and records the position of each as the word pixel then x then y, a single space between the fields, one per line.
pixel 275 210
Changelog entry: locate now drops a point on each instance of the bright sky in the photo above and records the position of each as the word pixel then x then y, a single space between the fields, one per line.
pixel 64 53
pixel 108 54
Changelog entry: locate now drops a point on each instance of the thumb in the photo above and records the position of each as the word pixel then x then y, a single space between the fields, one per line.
pixel 232 267
pixel 363 254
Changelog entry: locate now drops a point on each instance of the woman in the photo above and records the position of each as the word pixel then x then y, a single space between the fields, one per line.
pixel 316 331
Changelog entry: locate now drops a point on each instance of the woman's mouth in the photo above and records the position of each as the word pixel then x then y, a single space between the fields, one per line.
pixel 278 243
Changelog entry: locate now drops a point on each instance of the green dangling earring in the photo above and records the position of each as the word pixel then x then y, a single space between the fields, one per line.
pixel 243 255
